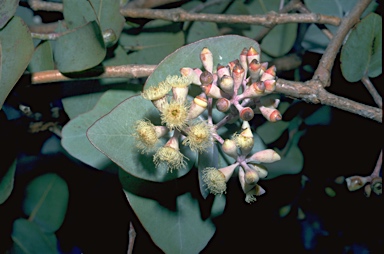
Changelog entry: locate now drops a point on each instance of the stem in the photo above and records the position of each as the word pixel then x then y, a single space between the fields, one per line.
pixel 377 169
pixel 372 90
pixel 323 71
pixel 132 236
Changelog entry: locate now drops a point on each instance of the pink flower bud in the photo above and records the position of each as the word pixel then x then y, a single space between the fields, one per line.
pixel 223 104
pixel 226 83
pixel 266 156
pixel 229 147
pixel 246 114
pixel 198 105
pixel 270 85
pixel 213 91
pixel 222 70
pixel 355 182
pixel 238 76
pixel 254 69
pixel 270 73
pixel 252 54
pixel 206 78
pixel 207 59
pixel 192 74
pixel 256 89
pixel 270 114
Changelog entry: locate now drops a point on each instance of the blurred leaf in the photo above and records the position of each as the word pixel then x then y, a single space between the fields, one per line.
pixel 362 53
pixel 222 48
pixel 330 192
pixel 270 132
pixel 74 138
pixel 119 57
pixel 79 12
pixel 16 51
pixel 291 163
pixel 6 183
pixel 42 58
pixel 314 39
pixel 46 201
pixel 80 49
pixel 27 15
pixel 112 134
pixel 201 30
pixel 281 38
pixel 284 211
pixel 178 226
pixel 79 104
pixel 154 42
pixel 28 238
pixel 322 116
pixel 7 10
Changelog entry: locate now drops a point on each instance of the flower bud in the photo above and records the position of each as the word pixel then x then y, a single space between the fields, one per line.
pixel 207 59
pixel 238 76
pixel 232 64
pixel 222 70
pixel 251 177
pixel 256 89
pixel 270 114
pixel 226 83
pixel 260 169
pixel 109 37
pixel 246 114
pixel 270 85
pixel 255 191
pixel 223 104
pixel 254 69
pixel 170 155
pixel 228 171
pixel 367 190
pixel 252 54
pixel 206 78
pixel 355 182
pixel 243 60
pixel 198 105
pixel 213 91
pixel 244 141
pixel 192 74
pixel 229 147
pixel 376 185
pixel 215 180
pixel 265 156
pixel 270 73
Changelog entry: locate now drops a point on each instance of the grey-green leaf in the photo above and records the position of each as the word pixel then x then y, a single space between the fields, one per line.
pixel 29 239
pixel 16 51
pixel 362 53
pixel 74 138
pixel 6 183
pixel 42 58
pixel 113 135
pixel 7 10
pixel 106 13
pixel 157 39
pixel 80 49
pixel 178 226
pixel 46 201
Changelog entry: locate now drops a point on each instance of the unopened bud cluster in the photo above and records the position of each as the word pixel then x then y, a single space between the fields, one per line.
pixel 370 184
pixel 236 89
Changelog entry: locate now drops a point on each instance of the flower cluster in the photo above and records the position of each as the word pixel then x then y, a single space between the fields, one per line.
pixel 237 89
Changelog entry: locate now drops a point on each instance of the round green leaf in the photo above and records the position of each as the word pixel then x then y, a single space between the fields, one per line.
pixel 362 53
pixel 222 48
pixel 74 138
pixel 281 38
pixel 113 136
pixel 177 226
pixel 200 30
pixel 106 13
pixel 7 10
pixel 28 238
pixel 155 41
pixel 16 49
pixel 6 183
pixel 46 201
pixel 42 58
pixel 80 104
pixel 80 49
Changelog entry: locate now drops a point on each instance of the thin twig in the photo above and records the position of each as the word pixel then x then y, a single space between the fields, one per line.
pixel 379 163
pixel 132 237
pixel 38 5
pixel 372 90
pixel 313 92
pixel 122 71
pixel 323 71
pixel 292 5
pixel 270 19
